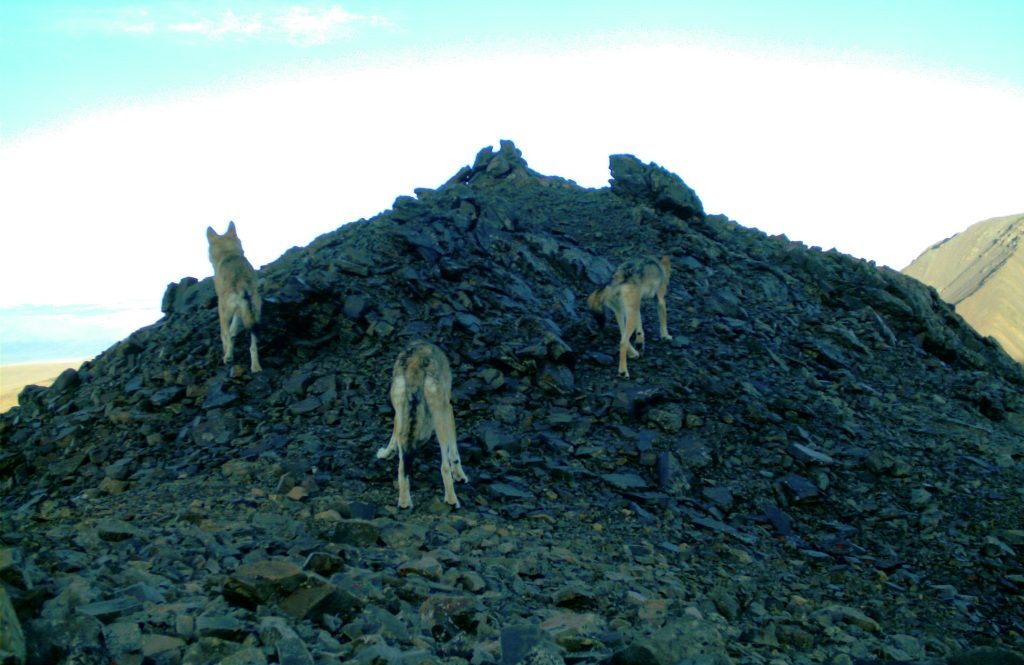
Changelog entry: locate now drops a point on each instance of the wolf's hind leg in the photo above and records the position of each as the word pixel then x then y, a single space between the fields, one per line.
pixel 446 435
pixel 631 305
pixel 226 339
pixel 404 496
pixel 400 428
pixel 662 309
pixel 444 429
pixel 254 354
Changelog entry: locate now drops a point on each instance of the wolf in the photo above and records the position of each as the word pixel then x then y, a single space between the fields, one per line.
pixel 238 299
pixel 633 280
pixel 421 390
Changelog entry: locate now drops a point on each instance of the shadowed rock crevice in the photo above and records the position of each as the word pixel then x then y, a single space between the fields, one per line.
pixel 824 463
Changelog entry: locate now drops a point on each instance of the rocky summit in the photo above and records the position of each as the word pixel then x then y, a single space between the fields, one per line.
pixel 824 464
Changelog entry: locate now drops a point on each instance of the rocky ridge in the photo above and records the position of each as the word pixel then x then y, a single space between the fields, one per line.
pixel 825 464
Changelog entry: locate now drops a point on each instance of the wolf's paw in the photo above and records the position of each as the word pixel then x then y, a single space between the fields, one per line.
pixel 459 474
pixel 667 337
pixel 632 353
pixel 384 452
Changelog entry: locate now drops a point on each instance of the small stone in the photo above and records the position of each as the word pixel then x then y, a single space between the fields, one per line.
pixel 247 656
pixel 834 614
pixel 257 583
pixel 805 454
pixel 122 638
pixel 316 597
pixel 798 488
pixel 518 643
pixel 575 596
pixel 12 638
pixel 113 487
pixel 306 406
pixel 285 484
pixel 720 496
pixel 509 491
pixel 427 566
pixel 115 530
pixel 624 481
pixel 161 648
pixel 668 417
pixel 213 650
pixel 357 532
pixel 324 563
pixel 575 631
pixel 224 627
pixel 292 651
pixel 448 613
pixel 108 610
pixel 986 656
pixel 794 636
pixel 920 498
pixel 11 569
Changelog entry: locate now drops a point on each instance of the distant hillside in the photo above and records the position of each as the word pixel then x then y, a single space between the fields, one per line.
pixel 981 273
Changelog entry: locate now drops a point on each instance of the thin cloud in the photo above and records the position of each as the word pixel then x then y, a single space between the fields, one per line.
pixel 229 24
pixel 119 21
pixel 296 24
pixel 311 28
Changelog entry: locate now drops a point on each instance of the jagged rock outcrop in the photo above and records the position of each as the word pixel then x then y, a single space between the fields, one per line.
pixel 654 186
pixel 822 466
pixel 981 273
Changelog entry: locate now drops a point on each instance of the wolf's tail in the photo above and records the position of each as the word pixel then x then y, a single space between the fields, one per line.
pixel 595 303
pixel 252 313
pixel 421 423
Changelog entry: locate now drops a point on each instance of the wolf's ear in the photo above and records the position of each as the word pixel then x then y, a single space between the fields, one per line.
pixel 231 229
pixel 211 235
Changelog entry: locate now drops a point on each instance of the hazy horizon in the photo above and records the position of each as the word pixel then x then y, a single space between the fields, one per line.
pixel 44 333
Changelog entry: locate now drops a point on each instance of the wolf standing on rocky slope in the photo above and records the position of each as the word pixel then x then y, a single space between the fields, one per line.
pixel 238 300
pixel 421 390
pixel 633 280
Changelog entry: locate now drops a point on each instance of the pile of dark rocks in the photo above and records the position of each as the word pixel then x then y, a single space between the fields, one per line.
pixel 824 465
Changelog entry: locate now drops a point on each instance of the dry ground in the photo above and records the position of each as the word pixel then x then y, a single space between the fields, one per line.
pixel 14 377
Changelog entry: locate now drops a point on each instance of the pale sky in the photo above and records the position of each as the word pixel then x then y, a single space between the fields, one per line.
pixel 878 128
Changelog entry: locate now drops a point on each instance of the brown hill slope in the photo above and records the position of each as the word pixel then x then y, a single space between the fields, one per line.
pixel 824 465
pixel 981 273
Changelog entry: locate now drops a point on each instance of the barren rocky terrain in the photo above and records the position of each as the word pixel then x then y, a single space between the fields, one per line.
pixel 824 465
